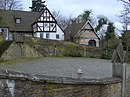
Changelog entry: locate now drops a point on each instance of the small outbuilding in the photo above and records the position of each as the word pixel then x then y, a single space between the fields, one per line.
pixel 82 33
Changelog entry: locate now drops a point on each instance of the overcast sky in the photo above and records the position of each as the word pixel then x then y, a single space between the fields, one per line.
pixel 108 8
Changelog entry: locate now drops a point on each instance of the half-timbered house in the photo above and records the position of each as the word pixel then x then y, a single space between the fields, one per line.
pixel 82 33
pixel 46 26
pixel 35 24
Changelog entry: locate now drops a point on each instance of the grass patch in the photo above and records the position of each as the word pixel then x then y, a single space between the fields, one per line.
pixel 19 60
pixel 128 63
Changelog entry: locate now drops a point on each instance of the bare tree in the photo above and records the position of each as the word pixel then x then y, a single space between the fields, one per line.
pixel 10 5
pixel 125 1
pixel 125 20
pixel 62 20
pixel 124 16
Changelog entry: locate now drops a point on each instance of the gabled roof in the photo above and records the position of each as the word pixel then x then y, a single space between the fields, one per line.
pixel 7 19
pixel 72 29
pixel 87 23
pixel 41 12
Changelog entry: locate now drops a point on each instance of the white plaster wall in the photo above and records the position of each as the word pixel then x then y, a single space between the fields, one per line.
pixel 59 32
pixel 7 34
pixel 52 35
pixel 37 34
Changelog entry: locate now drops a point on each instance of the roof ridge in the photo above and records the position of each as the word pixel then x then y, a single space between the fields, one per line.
pixel 18 11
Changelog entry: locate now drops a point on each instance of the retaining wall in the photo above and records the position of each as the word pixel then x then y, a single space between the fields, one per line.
pixel 16 84
pixel 19 50
pixel 24 47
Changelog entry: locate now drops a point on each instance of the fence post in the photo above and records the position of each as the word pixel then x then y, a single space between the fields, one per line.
pixel 119 66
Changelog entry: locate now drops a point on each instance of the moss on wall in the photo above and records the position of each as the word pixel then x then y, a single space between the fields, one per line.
pixel 17 84
pixel 35 47
pixel 1 39
pixel 63 48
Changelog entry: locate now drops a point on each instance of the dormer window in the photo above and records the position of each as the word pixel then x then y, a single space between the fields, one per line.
pixel 17 20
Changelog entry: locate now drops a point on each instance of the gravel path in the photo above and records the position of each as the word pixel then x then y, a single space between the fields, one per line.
pixel 64 67
pixel 67 67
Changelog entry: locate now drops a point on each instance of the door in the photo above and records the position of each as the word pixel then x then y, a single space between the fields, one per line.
pixel 92 43
pixel 18 51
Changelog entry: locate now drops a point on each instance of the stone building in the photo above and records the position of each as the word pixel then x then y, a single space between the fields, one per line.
pixel 82 33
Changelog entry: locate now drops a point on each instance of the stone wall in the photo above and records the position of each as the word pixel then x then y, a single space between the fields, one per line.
pixel 62 48
pixel 16 84
pixel 19 50
pixel 1 38
pixel 25 47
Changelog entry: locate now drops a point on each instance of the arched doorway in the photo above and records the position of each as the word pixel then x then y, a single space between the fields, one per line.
pixel 18 51
pixel 92 43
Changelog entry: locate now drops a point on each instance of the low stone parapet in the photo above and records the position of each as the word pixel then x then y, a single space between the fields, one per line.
pixel 17 84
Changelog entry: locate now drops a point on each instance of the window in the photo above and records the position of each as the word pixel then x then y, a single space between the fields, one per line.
pixel 4 30
pixel 47 35
pixel 51 24
pixel 41 35
pixel 18 20
pixel 46 25
pixel 57 36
